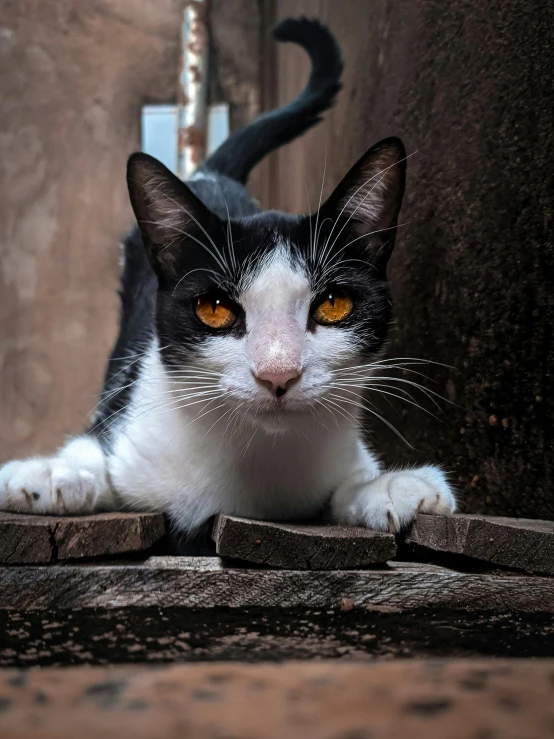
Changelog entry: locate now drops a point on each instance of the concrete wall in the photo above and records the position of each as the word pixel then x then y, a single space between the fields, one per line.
pixel 73 77
pixel 469 86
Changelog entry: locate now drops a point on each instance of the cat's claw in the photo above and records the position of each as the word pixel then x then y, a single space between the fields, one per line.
pixel 47 485
pixel 391 501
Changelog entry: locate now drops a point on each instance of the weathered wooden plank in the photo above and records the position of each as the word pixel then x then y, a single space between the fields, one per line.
pixel 179 582
pixel 518 543
pixel 44 539
pixel 301 546
pixel 458 699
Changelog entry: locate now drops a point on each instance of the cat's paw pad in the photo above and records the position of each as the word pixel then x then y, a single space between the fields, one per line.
pixel 46 485
pixel 391 501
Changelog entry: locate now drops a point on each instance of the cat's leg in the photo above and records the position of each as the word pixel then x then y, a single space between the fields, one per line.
pixel 388 501
pixel 74 480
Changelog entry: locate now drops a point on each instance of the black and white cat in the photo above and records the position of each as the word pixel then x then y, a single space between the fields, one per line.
pixel 247 340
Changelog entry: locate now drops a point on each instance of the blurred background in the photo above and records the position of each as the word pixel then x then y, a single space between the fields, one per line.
pixel 469 86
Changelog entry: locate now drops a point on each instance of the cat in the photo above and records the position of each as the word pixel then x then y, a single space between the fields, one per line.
pixel 246 342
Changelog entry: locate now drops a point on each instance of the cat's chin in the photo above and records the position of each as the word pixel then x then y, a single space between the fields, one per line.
pixel 278 419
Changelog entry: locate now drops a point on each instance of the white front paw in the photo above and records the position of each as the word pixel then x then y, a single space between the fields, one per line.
pixel 390 502
pixel 46 485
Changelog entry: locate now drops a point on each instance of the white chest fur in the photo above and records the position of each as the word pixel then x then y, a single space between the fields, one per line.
pixel 193 465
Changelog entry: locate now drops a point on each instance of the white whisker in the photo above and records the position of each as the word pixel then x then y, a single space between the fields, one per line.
pixel 382 173
pixel 319 206
pixel 377 415
pixel 384 392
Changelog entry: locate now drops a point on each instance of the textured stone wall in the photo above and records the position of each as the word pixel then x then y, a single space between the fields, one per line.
pixel 469 86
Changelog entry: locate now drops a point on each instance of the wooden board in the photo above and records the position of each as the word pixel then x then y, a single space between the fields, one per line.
pixel 421 700
pixel 190 609
pixel 301 546
pixel 203 582
pixel 44 539
pixel 518 543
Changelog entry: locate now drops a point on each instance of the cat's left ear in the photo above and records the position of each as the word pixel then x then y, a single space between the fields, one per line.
pixel 370 195
pixel 168 213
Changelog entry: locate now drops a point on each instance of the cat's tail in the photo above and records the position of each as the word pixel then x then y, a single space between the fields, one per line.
pixel 244 149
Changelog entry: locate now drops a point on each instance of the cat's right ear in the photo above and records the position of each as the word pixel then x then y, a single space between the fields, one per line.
pixel 368 199
pixel 167 212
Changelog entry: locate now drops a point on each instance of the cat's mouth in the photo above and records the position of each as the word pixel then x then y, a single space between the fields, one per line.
pixel 266 408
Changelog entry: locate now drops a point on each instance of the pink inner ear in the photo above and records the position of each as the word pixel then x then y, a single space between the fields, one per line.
pixel 366 204
pixel 371 193
pixel 276 348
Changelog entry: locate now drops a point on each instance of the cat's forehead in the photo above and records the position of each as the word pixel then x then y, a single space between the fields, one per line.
pixel 279 280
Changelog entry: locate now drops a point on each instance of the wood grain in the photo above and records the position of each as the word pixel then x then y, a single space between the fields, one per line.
pixel 205 583
pixel 518 543
pixel 300 546
pixel 446 698
pixel 46 539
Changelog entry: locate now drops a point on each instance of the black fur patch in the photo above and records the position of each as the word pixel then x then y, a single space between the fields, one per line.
pixel 191 255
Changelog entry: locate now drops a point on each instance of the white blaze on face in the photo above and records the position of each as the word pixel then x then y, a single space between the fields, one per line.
pixel 276 305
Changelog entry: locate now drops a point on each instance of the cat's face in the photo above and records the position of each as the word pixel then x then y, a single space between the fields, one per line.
pixel 261 314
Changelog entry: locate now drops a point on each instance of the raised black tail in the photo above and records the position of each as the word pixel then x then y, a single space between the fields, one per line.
pixel 237 156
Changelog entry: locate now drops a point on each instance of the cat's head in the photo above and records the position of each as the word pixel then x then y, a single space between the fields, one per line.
pixel 271 308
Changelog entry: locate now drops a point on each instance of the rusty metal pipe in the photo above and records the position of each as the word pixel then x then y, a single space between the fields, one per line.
pixel 192 116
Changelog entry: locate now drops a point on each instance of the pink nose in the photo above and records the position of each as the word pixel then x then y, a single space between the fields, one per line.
pixel 279 382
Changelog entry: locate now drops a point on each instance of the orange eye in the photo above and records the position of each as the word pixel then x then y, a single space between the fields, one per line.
pixel 216 311
pixel 336 305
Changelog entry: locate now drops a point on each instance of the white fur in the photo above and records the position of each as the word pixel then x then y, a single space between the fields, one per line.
pixel 389 501
pixel 73 481
pixel 237 449
pixel 276 306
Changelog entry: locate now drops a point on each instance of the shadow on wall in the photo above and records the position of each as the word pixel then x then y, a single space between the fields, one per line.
pixel 470 89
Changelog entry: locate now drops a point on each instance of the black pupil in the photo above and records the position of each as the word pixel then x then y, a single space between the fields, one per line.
pixel 331 299
pixel 215 303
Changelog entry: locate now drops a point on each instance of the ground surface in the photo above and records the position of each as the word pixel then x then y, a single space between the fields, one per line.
pixel 422 700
